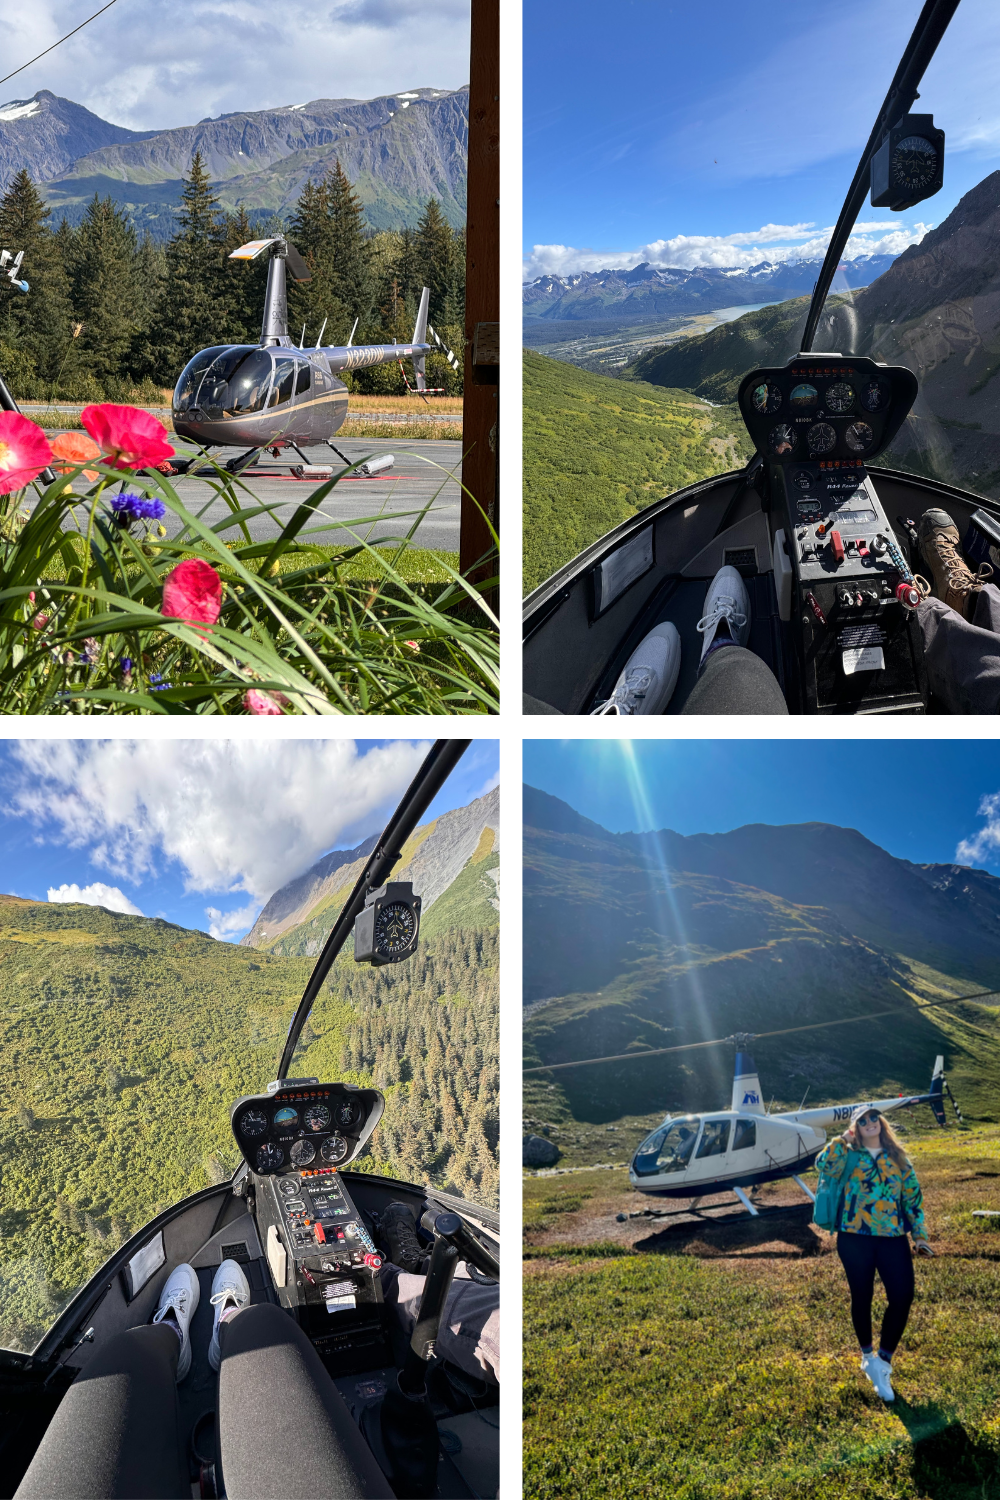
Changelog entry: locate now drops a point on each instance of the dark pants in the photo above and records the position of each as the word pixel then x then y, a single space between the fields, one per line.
pixel 864 1254
pixel 285 1431
pixel 735 681
pixel 963 657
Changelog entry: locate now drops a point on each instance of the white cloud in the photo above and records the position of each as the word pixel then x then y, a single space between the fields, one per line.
pixel 773 242
pixel 353 49
pixel 244 815
pixel 96 895
pixel 224 925
pixel 983 847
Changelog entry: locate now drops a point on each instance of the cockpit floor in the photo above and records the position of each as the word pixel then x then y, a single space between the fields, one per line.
pixel 681 601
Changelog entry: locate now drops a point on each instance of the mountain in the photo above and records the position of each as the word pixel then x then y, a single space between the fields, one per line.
pixel 936 310
pixel 597 450
pixel 638 941
pixel 398 150
pixel 648 293
pixel 453 863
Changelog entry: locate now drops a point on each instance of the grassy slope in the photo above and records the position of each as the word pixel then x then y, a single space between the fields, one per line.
pixel 719 1363
pixel 598 450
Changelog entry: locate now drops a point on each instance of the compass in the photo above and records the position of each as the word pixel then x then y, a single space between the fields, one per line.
pixel 909 165
pixel 386 930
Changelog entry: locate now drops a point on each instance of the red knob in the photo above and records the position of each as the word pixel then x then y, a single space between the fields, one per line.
pixel 375 1261
pixel 908 595
pixel 837 545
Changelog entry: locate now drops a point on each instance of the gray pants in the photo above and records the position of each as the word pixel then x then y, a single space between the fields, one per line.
pixel 469 1335
pixel 963 658
pixel 735 681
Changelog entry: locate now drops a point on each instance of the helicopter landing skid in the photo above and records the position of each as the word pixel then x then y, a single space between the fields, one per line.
pixel 704 1213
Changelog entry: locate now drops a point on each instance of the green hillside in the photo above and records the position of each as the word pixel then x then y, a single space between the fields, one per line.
pixel 598 450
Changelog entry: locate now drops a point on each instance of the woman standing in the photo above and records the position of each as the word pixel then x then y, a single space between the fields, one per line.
pixel 880 1203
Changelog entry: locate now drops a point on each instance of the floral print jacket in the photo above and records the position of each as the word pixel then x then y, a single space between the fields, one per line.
pixel 875 1192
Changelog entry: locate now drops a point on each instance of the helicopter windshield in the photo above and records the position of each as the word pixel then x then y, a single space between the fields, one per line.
pixel 667 1149
pixel 225 381
pixel 936 308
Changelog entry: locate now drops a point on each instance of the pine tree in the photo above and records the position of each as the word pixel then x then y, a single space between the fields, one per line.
pixel 107 296
pixel 36 324
pixel 195 295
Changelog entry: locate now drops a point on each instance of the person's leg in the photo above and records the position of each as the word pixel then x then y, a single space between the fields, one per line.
pixel 857 1256
pixel 962 657
pixel 284 1428
pixel 115 1434
pixel 469 1335
pixel 735 681
pixel 894 1262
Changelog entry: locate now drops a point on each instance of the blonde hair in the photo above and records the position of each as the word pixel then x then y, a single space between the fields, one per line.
pixel 891 1144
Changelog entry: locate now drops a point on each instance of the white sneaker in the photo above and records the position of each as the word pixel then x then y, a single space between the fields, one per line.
pixel 230 1288
pixel 727 599
pixel 180 1296
pixel 647 682
pixel 878 1373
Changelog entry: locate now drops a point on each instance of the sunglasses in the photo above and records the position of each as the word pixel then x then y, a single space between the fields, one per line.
pixel 870 1120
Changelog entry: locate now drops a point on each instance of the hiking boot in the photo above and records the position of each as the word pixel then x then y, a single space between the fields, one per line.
pixel 954 581
pixel 178 1301
pixel 727 611
pixel 878 1372
pixel 399 1230
pixel 648 679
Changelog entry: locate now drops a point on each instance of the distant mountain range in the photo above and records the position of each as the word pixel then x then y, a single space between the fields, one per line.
pixel 453 863
pixel 398 150
pixel 640 941
pixel 648 294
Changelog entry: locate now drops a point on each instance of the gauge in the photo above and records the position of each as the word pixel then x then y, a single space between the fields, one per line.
pixel 782 438
pixel 873 396
pixel 285 1118
pixel 316 1117
pixel 253 1123
pixel 766 398
pixel 395 926
pixel 289 1187
pixel 914 164
pixel 269 1157
pixel 802 479
pixel 821 437
pixel 802 397
pixel 302 1153
pixel 348 1113
pixel 858 437
pixel 335 1149
pixel 840 396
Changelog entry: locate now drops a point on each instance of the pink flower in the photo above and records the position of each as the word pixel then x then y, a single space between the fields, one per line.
pixel 256 701
pixel 24 451
pixel 128 438
pixel 40 622
pixel 193 592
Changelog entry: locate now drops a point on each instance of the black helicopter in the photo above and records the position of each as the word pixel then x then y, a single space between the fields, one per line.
pixel 826 543
pixel 310 1237
pixel 272 395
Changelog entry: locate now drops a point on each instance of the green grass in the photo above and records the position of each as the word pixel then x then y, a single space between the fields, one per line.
pixel 598 450
pixel 720 1364
pixel 54 421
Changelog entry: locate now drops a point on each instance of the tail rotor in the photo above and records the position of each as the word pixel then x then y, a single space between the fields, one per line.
pixel 940 1087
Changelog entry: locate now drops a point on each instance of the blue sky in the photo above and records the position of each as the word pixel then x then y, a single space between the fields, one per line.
pixel 929 801
pixel 658 131
pixel 200 832
pixel 211 59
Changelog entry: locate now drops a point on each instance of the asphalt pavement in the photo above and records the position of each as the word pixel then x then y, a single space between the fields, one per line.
pixel 422 474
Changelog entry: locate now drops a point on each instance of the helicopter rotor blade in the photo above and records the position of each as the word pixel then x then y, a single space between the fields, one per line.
pixel 293 260
pixel 721 1041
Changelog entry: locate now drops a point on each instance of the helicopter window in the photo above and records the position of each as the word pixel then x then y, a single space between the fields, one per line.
pixel 745 1134
pixel 190 379
pixel 302 380
pixel 668 1149
pixel 714 1139
pixel 248 381
pixel 284 379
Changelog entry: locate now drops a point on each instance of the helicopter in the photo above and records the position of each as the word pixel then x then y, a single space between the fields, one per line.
pixel 695 1155
pixel 272 395
pixel 821 523
pixel 310 1236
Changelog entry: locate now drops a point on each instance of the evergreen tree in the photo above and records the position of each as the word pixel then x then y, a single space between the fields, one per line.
pixel 318 300
pixel 194 311
pixel 107 296
pixel 36 324
pixel 437 259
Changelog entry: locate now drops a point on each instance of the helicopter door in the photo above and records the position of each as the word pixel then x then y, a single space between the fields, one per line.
pixel 668 1149
pixel 302 379
pixel 283 382
pixel 714 1139
pixel 745 1135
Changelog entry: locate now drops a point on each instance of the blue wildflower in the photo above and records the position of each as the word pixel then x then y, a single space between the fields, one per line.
pixel 126 665
pixel 127 508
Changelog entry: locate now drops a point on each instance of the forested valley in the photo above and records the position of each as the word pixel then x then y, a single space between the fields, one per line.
pixel 112 316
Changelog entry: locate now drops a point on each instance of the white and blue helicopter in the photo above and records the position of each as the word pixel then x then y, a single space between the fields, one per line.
pixel 736 1149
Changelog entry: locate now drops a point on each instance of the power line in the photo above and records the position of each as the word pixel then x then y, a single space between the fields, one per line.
pixel 758 1036
pixel 61 40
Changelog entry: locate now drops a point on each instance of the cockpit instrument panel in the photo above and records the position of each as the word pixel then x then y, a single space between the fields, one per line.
pixel 315 1126
pixel 828 407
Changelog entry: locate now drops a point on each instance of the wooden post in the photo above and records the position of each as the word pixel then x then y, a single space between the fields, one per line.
pixel 482 289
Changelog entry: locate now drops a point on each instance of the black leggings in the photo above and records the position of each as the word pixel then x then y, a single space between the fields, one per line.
pixel 864 1254
pixel 284 1428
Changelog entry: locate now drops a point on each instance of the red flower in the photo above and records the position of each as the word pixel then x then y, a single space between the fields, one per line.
pixel 256 701
pixel 24 451
pixel 129 438
pixel 193 592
